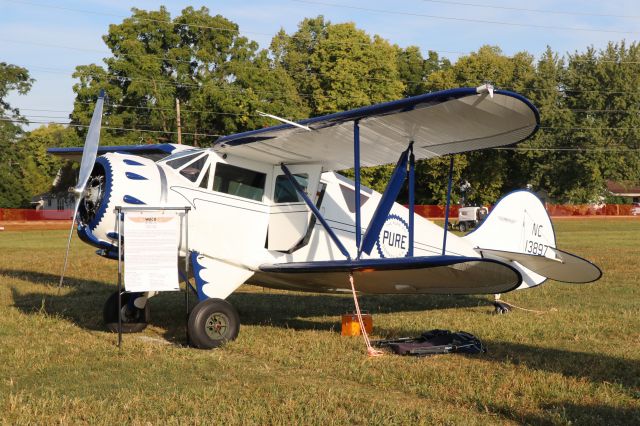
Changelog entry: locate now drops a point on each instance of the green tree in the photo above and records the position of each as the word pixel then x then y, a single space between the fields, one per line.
pixel 601 89
pixel 219 77
pixel 39 169
pixel 338 66
pixel 14 191
pixel 414 70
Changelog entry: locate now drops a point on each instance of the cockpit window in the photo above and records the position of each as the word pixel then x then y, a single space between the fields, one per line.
pixel 181 160
pixel 285 192
pixel 192 170
pixel 239 181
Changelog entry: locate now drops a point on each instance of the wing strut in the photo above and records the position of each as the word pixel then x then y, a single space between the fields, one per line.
pixel 315 210
pixel 386 202
pixel 446 211
pixel 356 172
pixel 412 197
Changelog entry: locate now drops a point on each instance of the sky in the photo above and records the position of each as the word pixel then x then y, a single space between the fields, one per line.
pixel 51 37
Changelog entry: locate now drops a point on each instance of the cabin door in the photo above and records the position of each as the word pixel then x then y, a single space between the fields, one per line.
pixel 289 215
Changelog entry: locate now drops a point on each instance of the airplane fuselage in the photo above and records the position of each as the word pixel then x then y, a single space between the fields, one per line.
pixel 245 214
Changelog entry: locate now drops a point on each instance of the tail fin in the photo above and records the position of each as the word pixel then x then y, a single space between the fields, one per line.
pixel 519 230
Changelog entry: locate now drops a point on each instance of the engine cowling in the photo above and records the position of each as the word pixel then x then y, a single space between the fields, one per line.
pixel 117 180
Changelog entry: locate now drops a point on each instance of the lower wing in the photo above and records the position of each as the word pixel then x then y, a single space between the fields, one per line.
pixel 406 275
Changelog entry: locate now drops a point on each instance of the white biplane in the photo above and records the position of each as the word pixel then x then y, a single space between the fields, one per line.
pixel 268 208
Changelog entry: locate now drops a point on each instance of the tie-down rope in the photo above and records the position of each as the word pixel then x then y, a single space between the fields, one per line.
pixel 370 350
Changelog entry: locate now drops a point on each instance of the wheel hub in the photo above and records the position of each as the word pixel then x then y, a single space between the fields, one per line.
pixel 217 325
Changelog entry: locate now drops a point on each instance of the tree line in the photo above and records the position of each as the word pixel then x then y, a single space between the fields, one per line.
pixel 589 101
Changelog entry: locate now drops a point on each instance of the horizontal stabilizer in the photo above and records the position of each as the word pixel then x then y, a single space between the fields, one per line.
pixel 561 266
pixel 408 275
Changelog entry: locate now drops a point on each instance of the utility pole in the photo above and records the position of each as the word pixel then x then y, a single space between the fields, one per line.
pixel 178 121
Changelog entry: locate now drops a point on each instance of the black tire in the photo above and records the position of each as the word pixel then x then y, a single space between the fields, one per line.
pixel 501 308
pixel 212 323
pixel 463 227
pixel 133 321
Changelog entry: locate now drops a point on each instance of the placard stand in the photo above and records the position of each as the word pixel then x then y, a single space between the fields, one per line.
pixel 120 212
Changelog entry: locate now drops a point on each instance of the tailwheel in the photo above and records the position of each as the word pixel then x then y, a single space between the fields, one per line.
pixel 134 319
pixel 212 323
pixel 501 308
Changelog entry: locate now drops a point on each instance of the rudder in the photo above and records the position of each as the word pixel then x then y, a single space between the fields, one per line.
pixel 519 223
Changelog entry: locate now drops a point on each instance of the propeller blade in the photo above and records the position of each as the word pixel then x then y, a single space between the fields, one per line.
pixel 90 150
pixel 89 154
pixel 66 255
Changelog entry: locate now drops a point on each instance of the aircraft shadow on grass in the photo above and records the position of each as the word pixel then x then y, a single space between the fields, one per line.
pixel 84 304
pixel 561 412
pixel 84 307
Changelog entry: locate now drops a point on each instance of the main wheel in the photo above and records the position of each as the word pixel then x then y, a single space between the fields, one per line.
pixel 134 319
pixel 212 323
pixel 463 227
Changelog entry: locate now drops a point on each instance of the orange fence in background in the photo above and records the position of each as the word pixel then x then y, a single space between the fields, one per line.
pixel 589 210
pixel 7 215
pixel 554 210
pixel 431 211
pixel 427 210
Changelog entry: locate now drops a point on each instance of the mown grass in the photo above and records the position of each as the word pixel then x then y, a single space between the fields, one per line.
pixel 577 363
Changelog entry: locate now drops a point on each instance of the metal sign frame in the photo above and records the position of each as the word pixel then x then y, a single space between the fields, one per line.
pixel 120 211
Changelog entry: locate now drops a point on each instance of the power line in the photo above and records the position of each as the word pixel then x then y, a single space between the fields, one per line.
pixel 258 91
pixel 473 20
pixel 113 128
pixel 573 128
pixel 579 128
pixel 513 148
pixel 522 9
pixel 167 59
pixel 236 29
pixel 578 110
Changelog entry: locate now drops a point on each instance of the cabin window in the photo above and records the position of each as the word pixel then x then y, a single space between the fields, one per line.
pixel 285 191
pixel 238 181
pixel 349 196
pixel 192 170
pixel 204 183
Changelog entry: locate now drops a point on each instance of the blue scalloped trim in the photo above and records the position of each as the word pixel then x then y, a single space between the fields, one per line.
pixel 134 176
pixel 106 198
pixel 404 222
pixel 200 282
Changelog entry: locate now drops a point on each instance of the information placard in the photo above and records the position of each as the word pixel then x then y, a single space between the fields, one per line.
pixel 151 251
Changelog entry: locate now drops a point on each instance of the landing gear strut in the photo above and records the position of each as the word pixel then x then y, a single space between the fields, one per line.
pixel 212 323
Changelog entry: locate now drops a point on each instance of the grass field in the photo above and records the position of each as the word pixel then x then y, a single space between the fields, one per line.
pixel 577 363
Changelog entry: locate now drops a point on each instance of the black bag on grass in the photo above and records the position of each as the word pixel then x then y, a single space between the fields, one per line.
pixel 435 342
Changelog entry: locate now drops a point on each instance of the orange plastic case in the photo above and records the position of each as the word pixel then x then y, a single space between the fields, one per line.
pixel 351 326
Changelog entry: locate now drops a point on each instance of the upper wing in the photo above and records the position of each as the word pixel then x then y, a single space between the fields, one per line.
pixel 427 274
pixel 439 123
pixel 154 151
